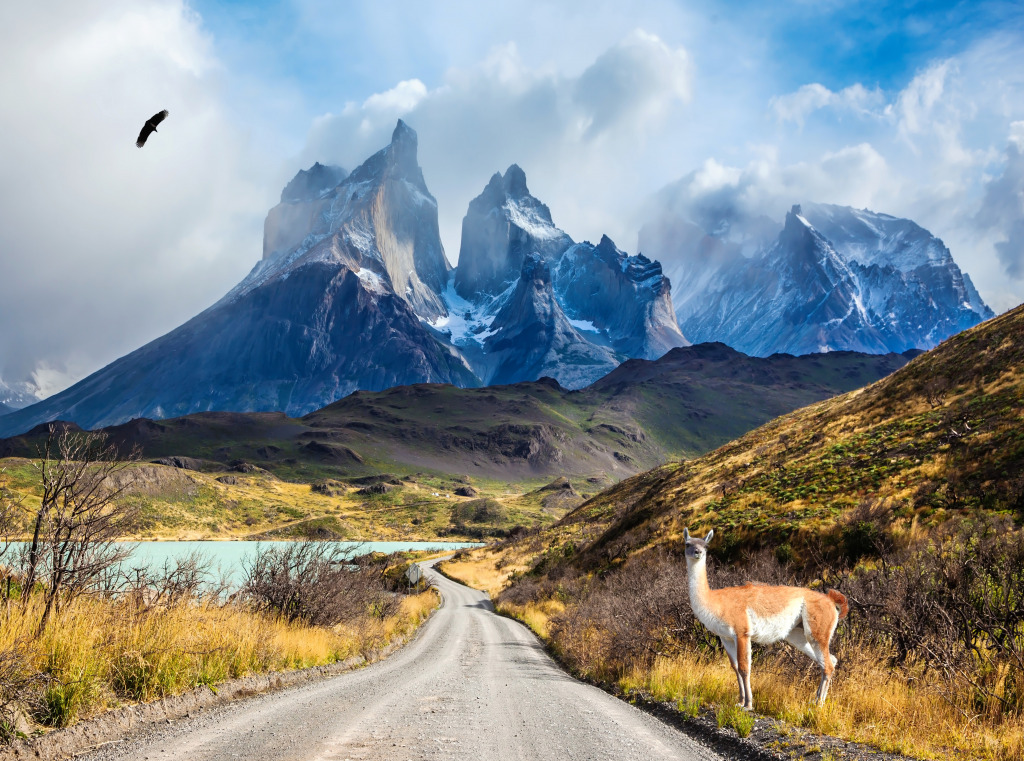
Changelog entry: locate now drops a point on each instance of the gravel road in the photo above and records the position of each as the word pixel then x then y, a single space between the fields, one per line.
pixel 471 685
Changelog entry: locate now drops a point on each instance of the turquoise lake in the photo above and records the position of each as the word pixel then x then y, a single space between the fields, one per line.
pixel 227 557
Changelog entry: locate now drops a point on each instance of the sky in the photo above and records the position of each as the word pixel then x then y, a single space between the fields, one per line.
pixel 914 109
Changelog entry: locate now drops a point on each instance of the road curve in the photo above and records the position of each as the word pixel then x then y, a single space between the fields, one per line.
pixel 471 685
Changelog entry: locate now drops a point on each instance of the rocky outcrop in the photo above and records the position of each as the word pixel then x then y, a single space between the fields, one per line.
pixel 625 298
pixel 503 225
pixel 531 337
pixel 301 201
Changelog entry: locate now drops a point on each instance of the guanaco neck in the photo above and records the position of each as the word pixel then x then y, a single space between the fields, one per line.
pixel 697 573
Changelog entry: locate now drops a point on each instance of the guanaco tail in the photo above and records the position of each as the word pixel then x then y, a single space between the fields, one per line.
pixel 755 613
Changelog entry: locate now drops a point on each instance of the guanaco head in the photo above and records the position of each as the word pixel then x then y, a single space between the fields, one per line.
pixel 696 549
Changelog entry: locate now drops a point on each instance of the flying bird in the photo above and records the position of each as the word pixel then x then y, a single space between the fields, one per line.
pixel 150 127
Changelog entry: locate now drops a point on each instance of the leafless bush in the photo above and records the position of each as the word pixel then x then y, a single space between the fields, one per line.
pixel 80 517
pixel 191 578
pixel 632 615
pixel 318 583
pixel 957 602
pixel 935 390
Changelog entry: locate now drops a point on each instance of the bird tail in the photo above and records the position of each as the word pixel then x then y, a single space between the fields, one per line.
pixel 840 602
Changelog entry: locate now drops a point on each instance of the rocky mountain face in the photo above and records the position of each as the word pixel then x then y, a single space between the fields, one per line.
pixel 525 296
pixel 530 336
pixel 625 298
pixel 341 309
pixel 503 225
pixel 292 219
pixel 832 278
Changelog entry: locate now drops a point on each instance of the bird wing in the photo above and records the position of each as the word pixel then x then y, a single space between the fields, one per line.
pixel 150 127
pixel 147 130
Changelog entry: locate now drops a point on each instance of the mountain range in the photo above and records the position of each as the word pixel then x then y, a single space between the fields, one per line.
pixel 354 292
pixel 644 412
pixel 831 278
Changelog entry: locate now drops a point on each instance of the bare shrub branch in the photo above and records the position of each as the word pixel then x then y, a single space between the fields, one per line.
pixel 317 582
pixel 80 517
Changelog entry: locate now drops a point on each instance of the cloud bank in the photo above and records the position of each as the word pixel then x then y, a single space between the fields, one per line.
pixel 579 138
pixel 105 245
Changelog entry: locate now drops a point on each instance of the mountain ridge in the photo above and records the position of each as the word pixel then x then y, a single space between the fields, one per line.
pixel 855 279
pixel 639 415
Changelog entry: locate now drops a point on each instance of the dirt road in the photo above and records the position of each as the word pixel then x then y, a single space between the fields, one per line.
pixel 472 685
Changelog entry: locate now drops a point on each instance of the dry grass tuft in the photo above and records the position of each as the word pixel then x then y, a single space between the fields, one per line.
pixel 99 652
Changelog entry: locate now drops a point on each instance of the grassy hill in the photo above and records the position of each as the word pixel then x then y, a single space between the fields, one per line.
pixel 908 494
pixel 941 436
pixel 640 415
pixel 219 474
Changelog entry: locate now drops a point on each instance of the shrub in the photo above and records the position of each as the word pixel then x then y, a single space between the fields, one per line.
pixel 316 582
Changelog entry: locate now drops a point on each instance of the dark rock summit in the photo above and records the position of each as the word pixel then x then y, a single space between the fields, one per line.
pixel 531 336
pixel 502 226
pixel 625 298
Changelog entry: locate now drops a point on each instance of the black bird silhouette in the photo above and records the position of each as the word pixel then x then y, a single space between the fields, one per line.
pixel 150 127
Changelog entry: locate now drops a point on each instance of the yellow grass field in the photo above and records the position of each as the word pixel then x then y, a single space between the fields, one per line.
pixel 100 653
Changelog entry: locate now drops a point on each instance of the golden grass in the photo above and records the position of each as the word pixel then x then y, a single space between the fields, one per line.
pixel 868 703
pixel 99 653
pixel 537 616
pixel 485 569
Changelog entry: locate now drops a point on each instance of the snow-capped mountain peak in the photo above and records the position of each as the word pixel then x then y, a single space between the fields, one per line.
pixel 833 278
pixel 503 225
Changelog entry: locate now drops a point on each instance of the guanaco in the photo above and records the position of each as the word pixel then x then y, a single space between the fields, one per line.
pixel 739 615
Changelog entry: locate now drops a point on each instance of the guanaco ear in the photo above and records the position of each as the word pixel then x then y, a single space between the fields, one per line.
pixel 711 533
pixel 686 534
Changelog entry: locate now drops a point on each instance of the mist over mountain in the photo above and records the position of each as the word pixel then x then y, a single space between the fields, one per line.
pixel 15 396
pixel 830 277
pixel 354 292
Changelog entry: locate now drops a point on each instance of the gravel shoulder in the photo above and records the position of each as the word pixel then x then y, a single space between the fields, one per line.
pixel 470 685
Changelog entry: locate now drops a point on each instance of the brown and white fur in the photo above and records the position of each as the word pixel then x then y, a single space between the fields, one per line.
pixel 755 613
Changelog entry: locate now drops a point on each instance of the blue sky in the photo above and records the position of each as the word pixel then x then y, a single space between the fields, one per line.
pixel 915 109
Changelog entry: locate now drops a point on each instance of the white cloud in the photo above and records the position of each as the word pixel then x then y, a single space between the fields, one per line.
pixel 1001 215
pixel 916 104
pixel 855 175
pixel 636 80
pixel 105 245
pixel 797 106
pixel 579 138
pixel 400 99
